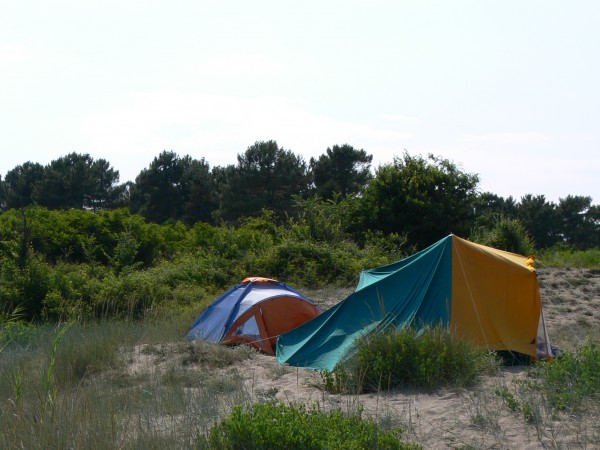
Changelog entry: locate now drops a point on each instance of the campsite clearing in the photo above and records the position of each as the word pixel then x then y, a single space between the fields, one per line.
pixel 476 418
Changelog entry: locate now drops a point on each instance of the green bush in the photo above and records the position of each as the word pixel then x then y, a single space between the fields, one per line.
pixel 24 283
pixel 73 291
pixel 507 234
pixel 306 262
pixel 13 329
pixel 80 265
pixel 15 332
pixel 270 425
pixel 431 357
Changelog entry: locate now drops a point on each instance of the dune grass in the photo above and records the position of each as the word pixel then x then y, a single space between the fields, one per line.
pixel 430 358
pixel 140 385
pixel 73 387
pixel 564 257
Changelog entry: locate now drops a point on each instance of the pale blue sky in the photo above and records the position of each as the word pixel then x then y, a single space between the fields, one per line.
pixel 508 90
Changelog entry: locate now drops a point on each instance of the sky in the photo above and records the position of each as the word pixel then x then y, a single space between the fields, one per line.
pixel 506 90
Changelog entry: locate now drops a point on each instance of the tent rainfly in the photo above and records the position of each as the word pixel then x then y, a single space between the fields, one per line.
pixel 488 296
pixel 254 312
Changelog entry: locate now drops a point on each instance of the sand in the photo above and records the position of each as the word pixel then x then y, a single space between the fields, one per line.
pixel 457 418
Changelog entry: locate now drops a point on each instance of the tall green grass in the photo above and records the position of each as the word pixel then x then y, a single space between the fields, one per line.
pixel 558 400
pixel 430 357
pixel 561 257
pixel 74 387
pixel 570 381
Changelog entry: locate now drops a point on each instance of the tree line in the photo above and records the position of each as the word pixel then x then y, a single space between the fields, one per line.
pixel 421 198
pixel 77 245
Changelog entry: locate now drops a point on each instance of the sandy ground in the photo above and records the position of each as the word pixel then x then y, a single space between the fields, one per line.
pixel 474 418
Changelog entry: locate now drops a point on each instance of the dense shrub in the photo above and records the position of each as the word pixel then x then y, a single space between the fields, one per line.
pixel 13 329
pixel 24 284
pixel 507 234
pixel 269 425
pixel 309 263
pixel 81 265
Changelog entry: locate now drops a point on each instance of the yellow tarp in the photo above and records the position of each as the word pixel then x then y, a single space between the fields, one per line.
pixel 495 297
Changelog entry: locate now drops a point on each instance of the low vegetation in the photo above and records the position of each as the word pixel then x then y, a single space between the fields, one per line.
pixel 565 257
pixel 397 358
pixel 73 387
pixel 558 401
pixel 276 425
pixel 94 305
pixel 570 383
pixel 138 384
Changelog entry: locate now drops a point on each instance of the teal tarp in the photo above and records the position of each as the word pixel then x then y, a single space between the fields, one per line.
pixel 417 289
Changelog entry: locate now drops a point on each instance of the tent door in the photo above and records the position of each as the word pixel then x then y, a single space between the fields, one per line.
pixel 251 331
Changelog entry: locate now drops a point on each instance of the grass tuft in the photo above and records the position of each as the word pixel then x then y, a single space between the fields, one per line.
pixel 561 257
pixel 72 388
pixel 429 358
pixel 571 381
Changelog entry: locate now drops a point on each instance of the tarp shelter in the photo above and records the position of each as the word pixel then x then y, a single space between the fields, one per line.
pixel 488 296
pixel 254 312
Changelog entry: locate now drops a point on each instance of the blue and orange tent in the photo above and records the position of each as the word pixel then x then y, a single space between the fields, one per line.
pixel 488 296
pixel 253 312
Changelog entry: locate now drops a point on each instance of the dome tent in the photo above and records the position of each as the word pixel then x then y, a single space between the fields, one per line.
pixel 254 312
